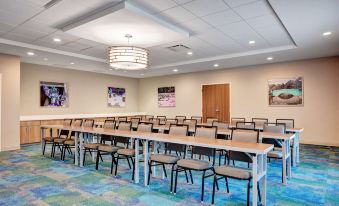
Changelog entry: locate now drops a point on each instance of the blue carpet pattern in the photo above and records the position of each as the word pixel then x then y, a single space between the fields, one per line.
pixel 28 178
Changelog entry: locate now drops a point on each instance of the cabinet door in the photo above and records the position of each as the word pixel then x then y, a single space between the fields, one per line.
pixel 24 135
pixel 35 134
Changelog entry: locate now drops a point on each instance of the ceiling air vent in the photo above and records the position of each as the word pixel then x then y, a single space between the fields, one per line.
pixel 179 48
pixel 51 3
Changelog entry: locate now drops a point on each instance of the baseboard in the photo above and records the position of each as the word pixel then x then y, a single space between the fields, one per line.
pixel 311 142
pixel 9 148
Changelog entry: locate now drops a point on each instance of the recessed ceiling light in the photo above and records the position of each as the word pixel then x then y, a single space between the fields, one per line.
pixel 45 59
pixel 142 74
pixel 30 53
pixel 175 70
pixel 72 63
pixel 251 42
pixel 189 53
pixel 327 33
pixel 110 69
pixel 216 65
pixel 269 58
pixel 56 39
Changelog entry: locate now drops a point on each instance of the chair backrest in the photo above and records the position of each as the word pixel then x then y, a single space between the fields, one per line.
pixel 275 128
pixel 234 120
pixel 192 124
pixel 210 132
pixel 109 124
pixel 162 119
pixel 210 120
pixel 171 121
pixel 259 122
pixel 135 122
pixel 245 125
pixel 243 136
pixel 121 119
pixel 88 123
pixel 220 125
pixel 124 126
pixel 67 122
pixel 180 119
pixel 154 121
pixel 288 122
pixel 148 117
pixel 111 118
pixel 197 118
pixel 145 127
pixel 180 130
pixel 77 122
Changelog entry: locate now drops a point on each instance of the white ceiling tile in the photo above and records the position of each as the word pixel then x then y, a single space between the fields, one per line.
pixel 30 33
pixel 202 7
pixel 19 38
pixel 222 18
pixel 177 14
pixel 215 37
pixel 155 6
pixel 182 1
pixel 11 18
pixel 38 26
pixel 275 35
pixel 236 3
pixel 255 9
pixel 196 26
pixel 5 27
pixel 264 21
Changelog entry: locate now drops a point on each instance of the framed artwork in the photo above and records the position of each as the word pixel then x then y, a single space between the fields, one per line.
pixel 116 97
pixel 166 97
pixel 286 92
pixel 53 94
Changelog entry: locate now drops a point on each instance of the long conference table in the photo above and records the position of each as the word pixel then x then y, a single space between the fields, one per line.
pixel 258 151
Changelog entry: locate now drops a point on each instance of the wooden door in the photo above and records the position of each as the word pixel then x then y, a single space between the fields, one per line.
pixel 216 102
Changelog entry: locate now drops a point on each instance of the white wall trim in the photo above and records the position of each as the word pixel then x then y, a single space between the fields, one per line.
pixel 9 148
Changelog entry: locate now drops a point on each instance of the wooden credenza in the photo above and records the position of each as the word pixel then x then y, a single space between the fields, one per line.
pixel 30 130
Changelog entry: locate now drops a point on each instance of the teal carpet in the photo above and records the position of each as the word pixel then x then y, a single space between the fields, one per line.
pixel 28 178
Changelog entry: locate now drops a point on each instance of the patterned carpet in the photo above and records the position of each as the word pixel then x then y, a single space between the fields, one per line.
pixel 28 178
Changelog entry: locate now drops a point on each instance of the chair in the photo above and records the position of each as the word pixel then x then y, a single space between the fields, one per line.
pixel 171 121
pixel 112 149
pixel 234 120
pixel 221 125
pixel 197 118
pixel 277 152
pixel 259 122
pixel 169 159
pixel 162 119
pixel 93 147
pixel 233 172
pixel 59 142
pixel 62 134
pixel 130 153
pixel 180 119
pixel 148 117
pixel 111 118
pixel 198 164
pixel 155 122
pixel 288 122
pixel 210 120
pixel 120 119
pixel 192 124
pixel 135 122
pixel 245 125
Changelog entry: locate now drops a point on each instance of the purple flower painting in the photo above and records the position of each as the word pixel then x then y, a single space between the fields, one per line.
pixel 53 94
pixel 116 97
pixel 166 97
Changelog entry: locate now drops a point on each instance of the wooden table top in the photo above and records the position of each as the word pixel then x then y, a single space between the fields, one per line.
pixel 249 147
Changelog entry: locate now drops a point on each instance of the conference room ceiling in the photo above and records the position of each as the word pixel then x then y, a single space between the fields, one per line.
pixel 217 32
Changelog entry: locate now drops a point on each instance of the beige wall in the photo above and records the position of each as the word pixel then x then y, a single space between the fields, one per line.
pixel 87 91
pixel 319 115
pixel 10 102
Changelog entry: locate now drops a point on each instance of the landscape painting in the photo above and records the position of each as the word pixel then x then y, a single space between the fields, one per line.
pixel 286 92
pixel 53 94
pixel 116 97
pixel 166 97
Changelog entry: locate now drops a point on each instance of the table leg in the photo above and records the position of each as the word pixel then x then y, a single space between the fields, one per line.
pixel 146 160
pixel 136 161
pixel 254 180
pixel 264 180
pixel 298 148
pixel 284 160
pixel 155 151
pixel 76 162
pixel 295 149
pixel 42 130
pixel 82 150
pixel 289 170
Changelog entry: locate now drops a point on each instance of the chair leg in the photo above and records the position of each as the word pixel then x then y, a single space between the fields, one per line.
pixel 111 163
pixel 228 189
pixel 84 157
pixel 52 155
pixel 259 195
pixel 213 191
pixel 164 168
pixel 129 164
pixel 149 172
pixel 172 170
pixel 97 161
pixel 99 156
pixel 176 180
pixel 191 176
pixel 220 158
pixel 203 186
pixel 116 167
pixel 43 151
pixel 133 166
pixel 186 176
pixel 248 192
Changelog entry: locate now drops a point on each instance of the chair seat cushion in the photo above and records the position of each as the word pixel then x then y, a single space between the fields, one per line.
pixel 108 148
pixel 49 139
pixel 162 158
pixel 275 154
pixel 70 142
pixel 92 145
pixel 126 152
pixel 59 140
pixel 236 172
pixel 194 164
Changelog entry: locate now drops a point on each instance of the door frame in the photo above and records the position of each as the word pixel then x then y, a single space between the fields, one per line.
pixel 230 93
